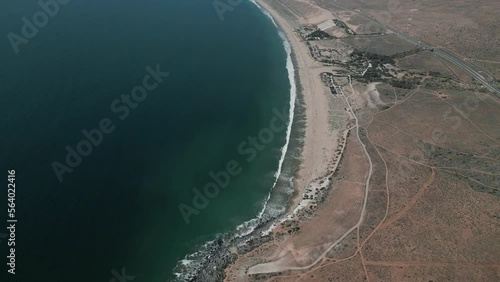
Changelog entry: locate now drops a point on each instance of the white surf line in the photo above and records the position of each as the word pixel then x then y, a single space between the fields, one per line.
pixel 363 210
pixel 304 202
pixel 293 95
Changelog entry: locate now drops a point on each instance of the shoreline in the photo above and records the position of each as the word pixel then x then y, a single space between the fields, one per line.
pixel 299 89
pixel 313 164
pixel 318 146
pixel 216 255
pixel 281 250
pixel 324 141
pixel 298 96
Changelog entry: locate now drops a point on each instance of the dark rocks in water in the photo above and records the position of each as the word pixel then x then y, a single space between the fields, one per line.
pixel 220 257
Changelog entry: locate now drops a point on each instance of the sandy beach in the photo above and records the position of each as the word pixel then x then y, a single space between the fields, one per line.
pixel 357 182
pixel 320 139
pixel 325 140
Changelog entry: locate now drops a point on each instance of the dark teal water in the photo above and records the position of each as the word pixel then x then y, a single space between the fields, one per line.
pixel 119 207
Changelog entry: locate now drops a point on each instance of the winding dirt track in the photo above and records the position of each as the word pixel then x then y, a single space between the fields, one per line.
pixel 363 210
pixel 322 260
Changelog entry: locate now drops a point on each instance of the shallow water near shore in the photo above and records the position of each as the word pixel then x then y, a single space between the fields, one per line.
pixel 120 207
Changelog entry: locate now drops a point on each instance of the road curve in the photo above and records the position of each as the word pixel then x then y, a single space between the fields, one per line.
pixel 438 51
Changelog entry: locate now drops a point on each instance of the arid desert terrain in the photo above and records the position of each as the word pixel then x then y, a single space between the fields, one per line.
pixel 399 179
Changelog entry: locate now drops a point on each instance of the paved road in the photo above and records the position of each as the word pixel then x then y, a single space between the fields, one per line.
pixel 447 55
pixel 460 63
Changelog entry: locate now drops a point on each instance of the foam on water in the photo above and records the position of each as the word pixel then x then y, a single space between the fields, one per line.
pixel 194 261
pixel 293 96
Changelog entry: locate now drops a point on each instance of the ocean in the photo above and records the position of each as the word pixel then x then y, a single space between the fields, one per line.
pixel 138 132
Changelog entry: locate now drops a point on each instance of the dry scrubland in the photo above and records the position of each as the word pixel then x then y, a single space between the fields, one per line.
pixel 467 27
pixel 430 209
